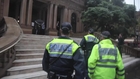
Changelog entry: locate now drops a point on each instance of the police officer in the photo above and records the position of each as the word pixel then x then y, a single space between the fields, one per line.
pixel 86 44
pixel 105 61
pixel 60 63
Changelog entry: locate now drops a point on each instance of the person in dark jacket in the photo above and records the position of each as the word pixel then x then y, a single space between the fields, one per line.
pixel 87 44
pixel 120 42
pixel 58 29
pixel 60 63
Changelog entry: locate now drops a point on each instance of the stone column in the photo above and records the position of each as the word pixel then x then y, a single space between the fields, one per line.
pixel 6 8
pixel 65 16
pixel 50 16
pixel 23 12
pixel 81 26
pixel 55 17
pixel 77 22
pixel 29 13
pixel 47 18
pixel 69 16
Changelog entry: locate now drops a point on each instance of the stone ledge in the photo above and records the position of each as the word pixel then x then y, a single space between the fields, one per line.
pixel 12 34
pixel 7 42
pixel 131 64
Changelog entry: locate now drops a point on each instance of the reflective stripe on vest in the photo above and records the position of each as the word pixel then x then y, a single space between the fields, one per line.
pixel 57 48
pixel 106 66
pixel 107 54
pixel 90 38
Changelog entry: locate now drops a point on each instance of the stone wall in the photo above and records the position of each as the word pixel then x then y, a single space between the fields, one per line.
pixel 71 4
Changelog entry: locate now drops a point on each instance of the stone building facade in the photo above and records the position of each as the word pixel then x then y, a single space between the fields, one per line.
pixel 50 11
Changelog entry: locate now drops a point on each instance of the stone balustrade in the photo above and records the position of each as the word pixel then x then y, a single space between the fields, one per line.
pixel 11 37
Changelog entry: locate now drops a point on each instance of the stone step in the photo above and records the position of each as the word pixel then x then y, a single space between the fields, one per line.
pixel 37 42
pixel 42 40
pixel 23 62
pixel 131 64
pixel 33 43
pixel 33 75
pixel 38 36
pixel 125 56
pixel 34 39
pixel 24 69
pixel 27 50
pixel 47 39
pixel 30 46
pixel 128 59
pixel 41 36
pixel 28 56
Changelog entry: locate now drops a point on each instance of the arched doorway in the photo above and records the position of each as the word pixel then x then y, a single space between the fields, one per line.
pixel 73 22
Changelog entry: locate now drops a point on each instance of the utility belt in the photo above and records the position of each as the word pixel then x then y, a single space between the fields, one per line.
pixel 53 75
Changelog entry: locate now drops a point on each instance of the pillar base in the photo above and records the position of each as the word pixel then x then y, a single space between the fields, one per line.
pixel 26 29
pixel 53 32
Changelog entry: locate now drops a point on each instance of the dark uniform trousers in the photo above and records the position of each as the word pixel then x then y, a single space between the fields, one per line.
pixel 53 75
pixel 87 54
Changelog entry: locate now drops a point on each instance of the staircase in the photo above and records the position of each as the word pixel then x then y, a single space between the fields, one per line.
pixel 28 62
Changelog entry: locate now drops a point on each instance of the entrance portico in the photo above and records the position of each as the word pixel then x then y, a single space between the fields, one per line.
pixel 50 11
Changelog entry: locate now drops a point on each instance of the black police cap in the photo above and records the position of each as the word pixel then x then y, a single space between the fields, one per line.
pixel 66 25
pixel 91 30
pixel 106 34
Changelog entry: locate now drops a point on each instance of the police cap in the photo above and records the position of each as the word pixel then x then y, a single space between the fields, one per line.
pixel 91 31
pixel 66 26
pixel 106 34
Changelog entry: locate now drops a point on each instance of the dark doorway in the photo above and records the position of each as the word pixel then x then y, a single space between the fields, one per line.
pixel 59 15
pixel 14 9
pixel 39 12
pixel 73 22
pixel 59 20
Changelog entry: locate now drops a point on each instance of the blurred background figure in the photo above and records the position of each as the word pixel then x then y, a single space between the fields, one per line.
pixel 58 29
pixel 120 42
pixel 39 27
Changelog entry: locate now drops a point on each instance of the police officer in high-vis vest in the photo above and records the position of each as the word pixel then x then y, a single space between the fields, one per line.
pixel 105 61
pixel 86 44
pixel 63 56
